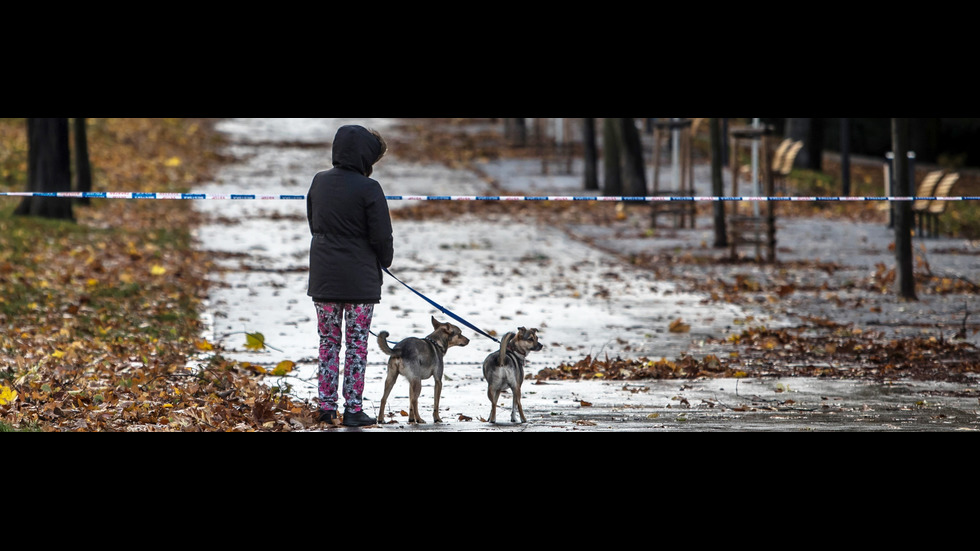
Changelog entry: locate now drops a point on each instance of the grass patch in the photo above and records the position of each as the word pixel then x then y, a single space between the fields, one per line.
pixel 27 427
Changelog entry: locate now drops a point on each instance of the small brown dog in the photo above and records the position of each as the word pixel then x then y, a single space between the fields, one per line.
pixel 417 359
pixel 504 369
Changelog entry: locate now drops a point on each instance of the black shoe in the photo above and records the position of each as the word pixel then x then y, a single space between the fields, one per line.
pixel 327 417
pixel 359 419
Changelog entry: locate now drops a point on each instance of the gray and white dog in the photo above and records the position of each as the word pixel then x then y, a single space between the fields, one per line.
pixel 504 369
pixel 417 359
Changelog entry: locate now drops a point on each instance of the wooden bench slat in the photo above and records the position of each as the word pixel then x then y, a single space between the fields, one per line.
pixel 942 190
pixel 926 189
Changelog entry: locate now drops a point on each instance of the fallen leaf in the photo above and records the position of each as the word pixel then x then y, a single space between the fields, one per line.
pixel 254 368
pixel 7 395
pixel 283 367
pixel 254 341
pixel 678 326
pixel 784 290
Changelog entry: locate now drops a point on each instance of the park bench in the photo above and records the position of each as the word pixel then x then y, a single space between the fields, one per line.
pixel 929 217
pixel 753 230
pixel 782 162
pixel 926 188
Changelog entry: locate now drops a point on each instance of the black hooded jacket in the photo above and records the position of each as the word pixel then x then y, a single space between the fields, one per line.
pixel 350 223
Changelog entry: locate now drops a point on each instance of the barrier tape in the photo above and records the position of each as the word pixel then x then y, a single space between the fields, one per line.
pixel 138 195
pixel 648 199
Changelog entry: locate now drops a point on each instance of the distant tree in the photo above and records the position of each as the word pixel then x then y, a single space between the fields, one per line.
pixel 48 168
pixel 811 132
pixel 924 134
pixel 717 181
pixel 903 210
pixel 83 169
pixel 631 154
pixel 591 154
pixel 515 132
pixel 622 156
pixel 845 156
pixel 612 181
pixel 816 141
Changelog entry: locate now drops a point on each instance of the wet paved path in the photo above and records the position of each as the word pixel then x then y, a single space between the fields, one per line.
pixel 500 275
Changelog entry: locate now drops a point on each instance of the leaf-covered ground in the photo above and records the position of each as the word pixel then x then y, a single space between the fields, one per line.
pixel 99 326
pixel 845 352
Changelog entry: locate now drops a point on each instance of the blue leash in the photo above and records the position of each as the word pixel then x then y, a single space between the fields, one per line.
pixel 440 308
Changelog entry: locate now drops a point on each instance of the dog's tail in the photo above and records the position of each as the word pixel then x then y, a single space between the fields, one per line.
pixel 383 343
pixel 502 357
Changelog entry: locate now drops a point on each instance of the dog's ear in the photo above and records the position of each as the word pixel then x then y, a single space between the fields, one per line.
pixel 435 323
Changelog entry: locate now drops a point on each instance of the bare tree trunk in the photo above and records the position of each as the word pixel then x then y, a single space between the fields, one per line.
pixel 591 155
pixel 814 144
pixel 48 168
pixel 845 156
pixel 924 137
pixel 515 132
pixel 718 182
pixel 612 176
pixel 83 170
pixel 631 149
pixel 903 210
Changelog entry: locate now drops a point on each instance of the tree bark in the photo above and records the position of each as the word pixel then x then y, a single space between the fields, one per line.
pixel 612 175
pixel 845 156
pixel 591 155
pixel 814 145
pixel 83 169
pixel 717 182
pixel 924 138
pixel 631 150
pixel 48 168
pixel 515 132
pixel 903 210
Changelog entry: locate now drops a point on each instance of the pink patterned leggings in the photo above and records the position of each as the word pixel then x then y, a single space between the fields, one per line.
pixel 330 316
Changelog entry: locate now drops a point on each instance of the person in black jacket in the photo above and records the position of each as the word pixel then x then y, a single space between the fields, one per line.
pixel 352 241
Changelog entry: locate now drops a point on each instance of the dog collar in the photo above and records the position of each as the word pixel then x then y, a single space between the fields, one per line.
pixel 439 349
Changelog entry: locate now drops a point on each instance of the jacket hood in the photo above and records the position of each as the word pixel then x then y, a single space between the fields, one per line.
pixel 355 148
